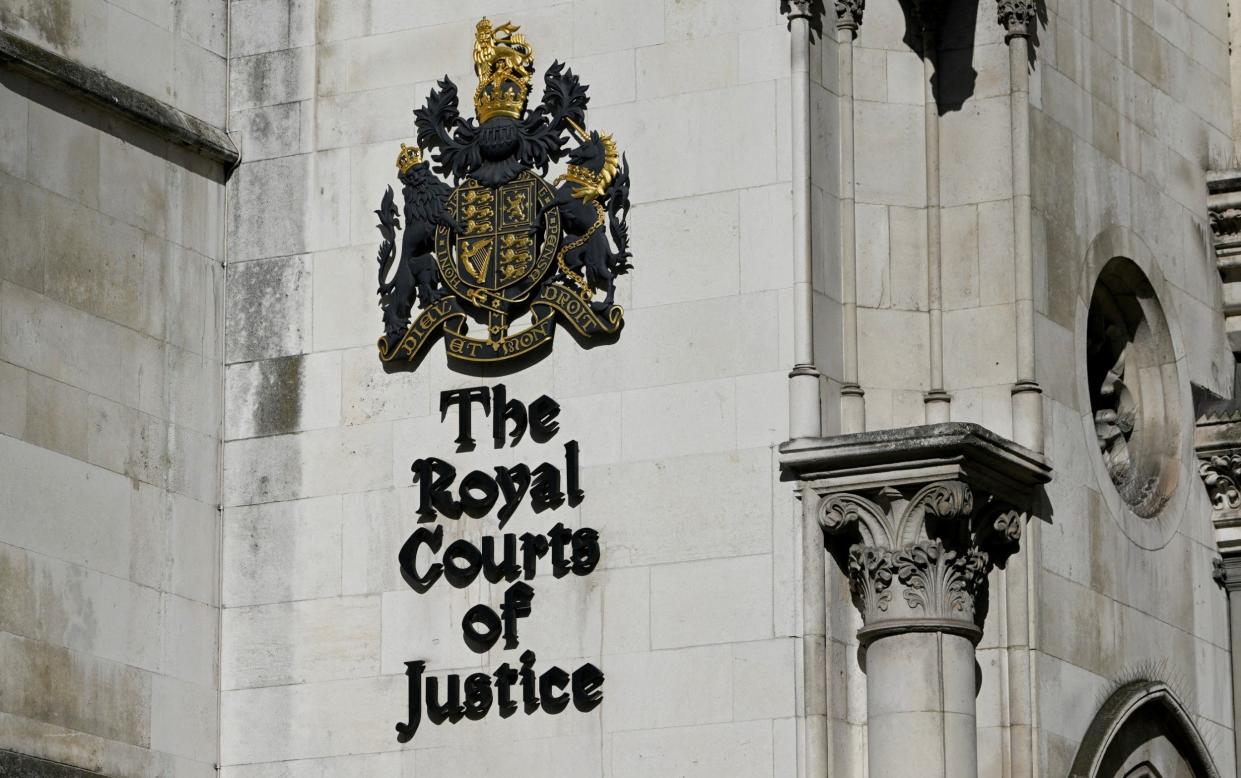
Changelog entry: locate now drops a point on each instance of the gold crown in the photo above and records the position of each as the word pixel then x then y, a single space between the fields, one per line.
pixel 589 183
pixel 504 64
pixel 407 158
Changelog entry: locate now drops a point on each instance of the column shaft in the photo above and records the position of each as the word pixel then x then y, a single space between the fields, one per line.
pixel 920 706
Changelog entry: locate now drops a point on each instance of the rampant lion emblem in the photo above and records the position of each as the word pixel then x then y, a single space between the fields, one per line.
pixel 503 242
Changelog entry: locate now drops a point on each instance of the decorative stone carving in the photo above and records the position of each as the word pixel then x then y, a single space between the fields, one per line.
pixel 1221 473
pixel 1015 16
pixel 798 9
pixel 917 518
pixel 1133 387
pixel 1224 205
pixel 849 14
pixel 1217 442
pixel 933 544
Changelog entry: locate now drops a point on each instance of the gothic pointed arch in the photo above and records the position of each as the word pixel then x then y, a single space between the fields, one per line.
pixel 1143 730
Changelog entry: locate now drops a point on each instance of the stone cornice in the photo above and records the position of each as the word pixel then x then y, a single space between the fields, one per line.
pixel 109 94
pixel 946 450
pixel 918 517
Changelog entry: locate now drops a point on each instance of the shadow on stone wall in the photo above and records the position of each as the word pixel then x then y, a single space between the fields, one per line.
pixel 950 39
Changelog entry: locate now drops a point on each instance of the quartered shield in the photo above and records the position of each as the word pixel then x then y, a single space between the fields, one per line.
pixel 500 255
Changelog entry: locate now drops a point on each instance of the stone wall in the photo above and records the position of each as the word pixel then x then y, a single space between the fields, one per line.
pixel 691 612
pixel 1132 108
pixel 110 400
pixel 172 50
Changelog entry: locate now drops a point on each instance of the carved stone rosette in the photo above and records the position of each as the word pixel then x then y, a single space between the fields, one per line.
pixel 917 518
pixel 918 556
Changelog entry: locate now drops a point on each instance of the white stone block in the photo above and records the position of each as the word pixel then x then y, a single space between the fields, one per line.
pixel 283 551
pixel 388 764
pixel 711 601
pixel 258 26
pixel 764 680
pixel 139 53
pixel 870 74
pixel 427 626
pixel 190 638
pixel 346 312
pixel 273 78
pixel 310 464
pixel 891 163
pixel 353 118
pixel 691 65
pixel 108 699
pixel 572 755
pixel 199 81
pixel 601 26
pixel 906 77
pixel 65 509
pixel 184 719
pixel 194 567
pixel 960 270
pixel 63 154
pixel 688 249
pixel 704 18
pixel 888 363
pixel 907 264
pixel 369 394
pixel 204 23
pixel 873 249
pixel 57 417
pixel 668 519
pixel 269 311
pixel 300 642
pixel 979 346
pixel 14 119
pixel 677 343
pixel 268 215
pixel 289 394
pixel 762 410
pixel 704 415
pixel 21 254
pixel 766 242
pixel 667 689
pixel 722 749
pixel 334 718
pixel 678 169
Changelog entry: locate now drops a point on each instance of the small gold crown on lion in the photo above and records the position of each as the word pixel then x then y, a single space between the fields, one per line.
pixel 407 158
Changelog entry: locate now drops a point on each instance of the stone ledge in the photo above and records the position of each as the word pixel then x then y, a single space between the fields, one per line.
pixel 105 92
pixel 15 765
pixel 916 453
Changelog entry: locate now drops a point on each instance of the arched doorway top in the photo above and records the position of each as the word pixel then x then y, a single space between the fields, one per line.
pixel 1121 708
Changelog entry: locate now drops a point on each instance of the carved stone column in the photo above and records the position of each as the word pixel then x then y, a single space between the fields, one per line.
pixel 1217 441
pixel 917 518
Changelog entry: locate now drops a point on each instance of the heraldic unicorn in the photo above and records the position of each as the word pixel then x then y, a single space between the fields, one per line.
pixel 502 242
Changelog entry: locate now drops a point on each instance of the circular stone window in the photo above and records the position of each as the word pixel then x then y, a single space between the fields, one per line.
pixel 1131 375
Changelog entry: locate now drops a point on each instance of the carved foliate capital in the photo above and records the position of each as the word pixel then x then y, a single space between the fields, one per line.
pixel 918 555
pixel 933 545
pixel 917 517
pixel 1221 474
pixel 798 9
pixel 849 14
pixel 1015 16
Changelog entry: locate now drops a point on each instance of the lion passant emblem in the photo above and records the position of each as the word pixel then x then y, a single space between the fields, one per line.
pixel 502 242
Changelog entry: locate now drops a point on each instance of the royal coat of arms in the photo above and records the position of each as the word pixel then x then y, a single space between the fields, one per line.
pixel 503 244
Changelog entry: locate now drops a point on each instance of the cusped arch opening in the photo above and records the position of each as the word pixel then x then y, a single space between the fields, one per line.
pixel 1143 731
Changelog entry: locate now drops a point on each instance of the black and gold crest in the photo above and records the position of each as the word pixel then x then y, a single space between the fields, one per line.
pixel 502 242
